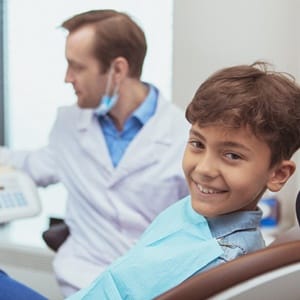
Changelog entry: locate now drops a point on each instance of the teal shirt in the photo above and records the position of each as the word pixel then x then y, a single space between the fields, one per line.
pixel 177 244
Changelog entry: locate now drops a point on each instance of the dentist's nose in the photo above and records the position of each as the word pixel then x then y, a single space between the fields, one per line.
pixel 69 78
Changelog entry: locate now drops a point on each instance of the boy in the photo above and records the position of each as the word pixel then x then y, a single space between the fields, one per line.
pixel 245 128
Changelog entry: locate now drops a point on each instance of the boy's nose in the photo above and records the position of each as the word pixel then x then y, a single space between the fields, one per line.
pixel 207 167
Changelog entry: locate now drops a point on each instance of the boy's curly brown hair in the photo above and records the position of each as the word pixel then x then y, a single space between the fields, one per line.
pixel 253 96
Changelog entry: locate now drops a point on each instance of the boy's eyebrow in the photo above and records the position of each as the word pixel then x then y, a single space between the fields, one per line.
pixel 223 143
pixel 196 133
pixel 235 145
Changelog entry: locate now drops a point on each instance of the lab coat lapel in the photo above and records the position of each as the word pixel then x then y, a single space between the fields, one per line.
pixel 92 140
pixel 148 146
pixel 145 150
pixel 136 157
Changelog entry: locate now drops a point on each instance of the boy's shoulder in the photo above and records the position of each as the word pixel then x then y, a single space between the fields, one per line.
pixel 238 233
pixel 179 216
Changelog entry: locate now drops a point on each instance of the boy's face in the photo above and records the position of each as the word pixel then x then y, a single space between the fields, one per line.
pixel 226 169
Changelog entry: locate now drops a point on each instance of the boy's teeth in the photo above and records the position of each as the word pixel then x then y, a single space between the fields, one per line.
pixel 206 191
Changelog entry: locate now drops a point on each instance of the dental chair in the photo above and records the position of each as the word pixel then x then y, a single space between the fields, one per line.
pixel 269 273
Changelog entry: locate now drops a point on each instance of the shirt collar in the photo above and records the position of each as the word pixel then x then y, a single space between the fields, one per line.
pixel 226 224
pixel 146 110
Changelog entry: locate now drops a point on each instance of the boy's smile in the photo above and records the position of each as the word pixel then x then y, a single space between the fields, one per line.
pixel 227 169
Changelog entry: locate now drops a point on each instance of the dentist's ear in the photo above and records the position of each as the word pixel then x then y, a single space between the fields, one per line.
pixel 280 175
pixel 120 68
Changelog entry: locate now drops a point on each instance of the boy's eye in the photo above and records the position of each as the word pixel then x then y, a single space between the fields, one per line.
pixel 196 144
pixel 233 156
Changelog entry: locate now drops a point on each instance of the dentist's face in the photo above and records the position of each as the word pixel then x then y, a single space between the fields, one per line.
pixel 83 71
pixel 227 170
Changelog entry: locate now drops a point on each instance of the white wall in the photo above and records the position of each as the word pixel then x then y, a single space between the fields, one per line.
pixel 212 34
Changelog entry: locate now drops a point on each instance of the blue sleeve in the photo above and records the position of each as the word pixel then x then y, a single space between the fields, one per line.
pixel 11 289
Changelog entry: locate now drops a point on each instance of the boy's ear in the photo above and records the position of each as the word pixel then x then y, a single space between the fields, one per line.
pixel 280 175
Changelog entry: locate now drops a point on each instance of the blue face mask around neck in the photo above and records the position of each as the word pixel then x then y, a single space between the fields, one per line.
pixel 107 101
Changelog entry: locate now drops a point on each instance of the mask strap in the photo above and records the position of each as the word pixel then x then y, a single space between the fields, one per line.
pixel 116 89
pixel 109 80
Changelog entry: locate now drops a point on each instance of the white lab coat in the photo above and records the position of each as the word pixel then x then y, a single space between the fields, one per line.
pixel 108 208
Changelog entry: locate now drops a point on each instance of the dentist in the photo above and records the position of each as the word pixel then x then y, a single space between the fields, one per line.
pixel 117 151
